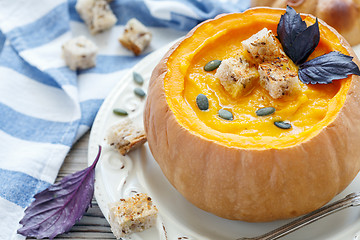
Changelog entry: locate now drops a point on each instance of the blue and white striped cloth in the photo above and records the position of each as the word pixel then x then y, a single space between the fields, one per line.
pixel 44 106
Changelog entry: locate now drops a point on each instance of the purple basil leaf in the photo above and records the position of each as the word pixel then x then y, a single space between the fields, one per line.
pixel 305 43
pixel 326 68
pixel 298 41
pixel 57 208
pixel 290 25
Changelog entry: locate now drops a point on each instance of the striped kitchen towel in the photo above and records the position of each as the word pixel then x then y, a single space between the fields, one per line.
pixel 45 107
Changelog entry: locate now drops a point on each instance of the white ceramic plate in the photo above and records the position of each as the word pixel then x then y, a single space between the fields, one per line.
pixel 119 177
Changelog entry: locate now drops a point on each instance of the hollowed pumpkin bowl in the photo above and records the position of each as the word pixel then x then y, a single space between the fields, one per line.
pixel 248 169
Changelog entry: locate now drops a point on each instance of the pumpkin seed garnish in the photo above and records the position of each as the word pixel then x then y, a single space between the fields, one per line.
pixel 138 78
pixel 282 125
pixel 225 114
pixel 212 65
pixel 202 102
pixel 139 92
pixel 120 112
pixel 265 111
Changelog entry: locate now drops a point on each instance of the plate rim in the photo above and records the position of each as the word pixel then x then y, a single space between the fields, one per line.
pixel 112 94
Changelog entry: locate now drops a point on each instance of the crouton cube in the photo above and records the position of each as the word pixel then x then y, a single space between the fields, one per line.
pixel 136 36
pixel 79 53
pixel 263 46
pixel 278 78
pixel 134 214
pixel 96 14
pixel 236 76
pixel 125 136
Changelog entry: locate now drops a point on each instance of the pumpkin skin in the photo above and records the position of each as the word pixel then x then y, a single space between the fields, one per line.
pixel 254 184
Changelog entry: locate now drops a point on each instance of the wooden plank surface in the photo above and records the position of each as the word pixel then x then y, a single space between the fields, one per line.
pixel 93 225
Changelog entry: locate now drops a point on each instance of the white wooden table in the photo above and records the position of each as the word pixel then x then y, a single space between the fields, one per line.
pixel 93 225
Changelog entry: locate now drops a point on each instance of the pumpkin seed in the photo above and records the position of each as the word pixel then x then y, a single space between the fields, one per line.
pixel 225 114
pixel 120 112
pixel 265 111
pixel 139 92
pixel 202 102
pixel 212 65
pixel 282 125
pixel 138 78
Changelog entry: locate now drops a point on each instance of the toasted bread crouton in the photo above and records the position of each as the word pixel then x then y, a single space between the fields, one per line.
pixel 264 46
pixel 277 78
pixel 236 76
pixel 97 14
pixel 125 136
pixel 134 214
pixel 79 53
pixel 136 36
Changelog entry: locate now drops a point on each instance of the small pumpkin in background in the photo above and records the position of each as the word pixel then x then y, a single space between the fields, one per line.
pixel 343 15
pixel 245 167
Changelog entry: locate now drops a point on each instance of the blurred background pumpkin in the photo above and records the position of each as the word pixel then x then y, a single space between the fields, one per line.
pixel 343 15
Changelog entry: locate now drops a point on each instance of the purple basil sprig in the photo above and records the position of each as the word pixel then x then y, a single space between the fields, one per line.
pixel 299 41
pixel 57 208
